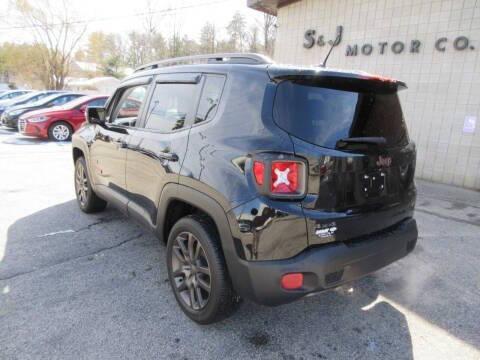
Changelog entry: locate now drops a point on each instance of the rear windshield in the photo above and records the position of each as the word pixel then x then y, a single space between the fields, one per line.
pixel 323 115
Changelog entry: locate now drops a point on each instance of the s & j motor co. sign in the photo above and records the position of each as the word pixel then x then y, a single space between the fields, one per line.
pixel 311 39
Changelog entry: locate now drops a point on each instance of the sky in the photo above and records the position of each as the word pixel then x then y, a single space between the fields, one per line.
pixel 123 16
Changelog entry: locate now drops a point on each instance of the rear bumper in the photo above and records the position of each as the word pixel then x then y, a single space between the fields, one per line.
pixel 325 266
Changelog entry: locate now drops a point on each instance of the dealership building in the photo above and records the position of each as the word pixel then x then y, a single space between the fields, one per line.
pixel 432 45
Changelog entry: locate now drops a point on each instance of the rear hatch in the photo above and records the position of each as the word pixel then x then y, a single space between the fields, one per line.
pixel 361 161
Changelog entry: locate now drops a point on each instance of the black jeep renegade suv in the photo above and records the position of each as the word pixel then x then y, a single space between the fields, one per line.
pixel 267 182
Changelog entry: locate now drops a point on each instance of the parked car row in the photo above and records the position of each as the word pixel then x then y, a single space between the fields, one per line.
pixel 55 115
pixel 10 94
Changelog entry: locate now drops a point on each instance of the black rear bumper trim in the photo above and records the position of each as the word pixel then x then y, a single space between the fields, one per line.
pixel 325 266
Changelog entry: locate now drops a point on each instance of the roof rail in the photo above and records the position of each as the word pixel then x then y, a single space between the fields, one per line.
pixel 220 58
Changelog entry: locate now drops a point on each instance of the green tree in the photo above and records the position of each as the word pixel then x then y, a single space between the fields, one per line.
pixel 101 45
pixel 105 50
pixel 23 64
pixel 111 66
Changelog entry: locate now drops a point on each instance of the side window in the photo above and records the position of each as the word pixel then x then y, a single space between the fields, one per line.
pixel 170 106
pixel 33 99
pixel 61 100
pixel 212 90
pixel 97 102
pixel 58 101
pixel 128 107
pixel 72 97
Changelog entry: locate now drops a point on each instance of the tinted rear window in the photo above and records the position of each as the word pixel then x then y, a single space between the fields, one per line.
pixel 322 115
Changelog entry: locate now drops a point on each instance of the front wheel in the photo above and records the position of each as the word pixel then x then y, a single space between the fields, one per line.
pixel 197 271
pixel 87 200
pixel 60 131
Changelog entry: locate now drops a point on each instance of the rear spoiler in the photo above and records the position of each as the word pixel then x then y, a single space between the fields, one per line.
pixel 333 77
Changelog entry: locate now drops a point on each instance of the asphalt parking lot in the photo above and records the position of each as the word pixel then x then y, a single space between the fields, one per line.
pixel 76 286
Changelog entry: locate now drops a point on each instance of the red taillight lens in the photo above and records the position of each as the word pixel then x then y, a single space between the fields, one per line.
pixel 258 171
pixel 284 177
pixel 292 281
pixel 277 178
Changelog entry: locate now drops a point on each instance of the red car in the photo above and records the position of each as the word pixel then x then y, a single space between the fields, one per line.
pixel 60 122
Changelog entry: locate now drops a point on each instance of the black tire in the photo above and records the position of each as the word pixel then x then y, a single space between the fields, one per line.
pixel 60 131
pixel 87 200
pixel 221 301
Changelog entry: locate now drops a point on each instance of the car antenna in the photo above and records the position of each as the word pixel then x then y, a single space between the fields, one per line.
pixel 334 43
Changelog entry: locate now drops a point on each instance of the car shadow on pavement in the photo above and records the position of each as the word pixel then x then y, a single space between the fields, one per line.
pixel 14 138
pixel 64 273
pixel 27 140
pixel 7 131
pixel 68 279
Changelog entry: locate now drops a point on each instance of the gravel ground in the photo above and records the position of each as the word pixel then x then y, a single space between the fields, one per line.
pixel 76 286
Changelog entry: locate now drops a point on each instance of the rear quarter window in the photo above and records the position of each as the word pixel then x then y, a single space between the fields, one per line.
pixel 210 97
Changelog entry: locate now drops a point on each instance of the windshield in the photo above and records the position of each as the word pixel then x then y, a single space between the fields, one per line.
pixel 323 115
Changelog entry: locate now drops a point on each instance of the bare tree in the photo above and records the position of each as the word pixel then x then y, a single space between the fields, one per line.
pixel 237 32
pixel 53 27
pixel 269 32
pixel 159 47
pixel 149 18
pixel 175 44
pixel 208 38
pixel 154 40
pixel 138 49
pixel 253 36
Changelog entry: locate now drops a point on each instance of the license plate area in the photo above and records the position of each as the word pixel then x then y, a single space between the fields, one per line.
pixel 374 183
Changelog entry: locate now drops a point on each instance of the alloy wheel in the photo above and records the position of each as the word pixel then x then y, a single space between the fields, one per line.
pixel 190 271
pixel 81 184
pixel 61 132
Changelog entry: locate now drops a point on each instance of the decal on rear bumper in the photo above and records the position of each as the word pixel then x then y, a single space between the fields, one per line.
pixel 326 230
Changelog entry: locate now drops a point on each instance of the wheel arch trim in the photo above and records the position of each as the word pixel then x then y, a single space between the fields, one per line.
pixel 77 144
pixel 235 265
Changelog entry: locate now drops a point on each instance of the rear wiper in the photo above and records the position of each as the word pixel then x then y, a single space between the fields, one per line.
pixel 342 143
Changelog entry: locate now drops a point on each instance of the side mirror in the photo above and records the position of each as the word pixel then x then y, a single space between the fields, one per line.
pixel 95 115
pixel 83 108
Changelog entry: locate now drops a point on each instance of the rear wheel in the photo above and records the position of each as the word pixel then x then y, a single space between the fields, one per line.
pixel 87 200
pixel 60 131
pixel 197 271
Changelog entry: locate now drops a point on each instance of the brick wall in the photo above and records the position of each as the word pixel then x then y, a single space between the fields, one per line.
pixel 444 87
